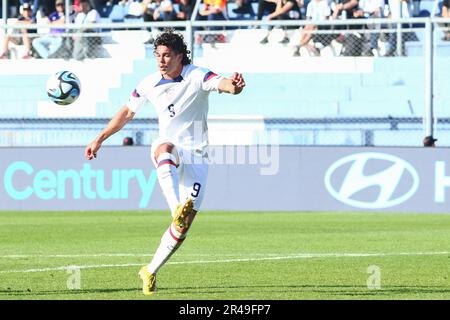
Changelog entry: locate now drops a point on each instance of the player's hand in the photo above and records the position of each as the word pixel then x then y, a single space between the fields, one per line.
pixel 238 80
pixel 91 150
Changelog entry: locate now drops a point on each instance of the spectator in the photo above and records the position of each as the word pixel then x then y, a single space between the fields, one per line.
pixel 164 11
pixel 15 5
pixel 446 14
pixel 185 9
pixel 76 6
pixel 135 9
pixel 429 141
pixel 285 10
pixel 317 10
pixel 244 7
pixel 398 9
pixel 266 6
pixel 25 17
pixel 345 9
pixel 352 43
pixel 85 46
pixel 34 5
pixel 214 10
pixel 157 10
pixel 48 45
pixel 44 7
pixel 148 10
pixel 372 9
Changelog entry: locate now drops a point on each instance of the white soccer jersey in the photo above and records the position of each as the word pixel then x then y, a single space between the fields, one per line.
pixel 181 104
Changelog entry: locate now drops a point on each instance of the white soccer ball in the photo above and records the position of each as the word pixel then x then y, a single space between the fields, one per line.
pixel 63 87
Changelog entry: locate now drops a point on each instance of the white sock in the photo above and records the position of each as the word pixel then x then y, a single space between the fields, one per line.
pixel 168 179
pixel 170 242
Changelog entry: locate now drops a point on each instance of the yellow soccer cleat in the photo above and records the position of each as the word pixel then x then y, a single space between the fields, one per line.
pixel 182 212
pixel 149 281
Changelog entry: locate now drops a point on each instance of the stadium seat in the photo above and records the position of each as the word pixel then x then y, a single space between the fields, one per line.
pixel 117 13
pixel 368 108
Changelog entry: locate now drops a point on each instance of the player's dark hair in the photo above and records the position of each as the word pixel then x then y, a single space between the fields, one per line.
pixel 175 42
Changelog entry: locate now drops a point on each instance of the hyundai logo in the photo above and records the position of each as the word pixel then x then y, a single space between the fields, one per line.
pixel 371 180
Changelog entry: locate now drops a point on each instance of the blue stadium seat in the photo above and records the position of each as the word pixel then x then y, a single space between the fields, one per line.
pixel 405 138
pixel 395 87
pixel 367 108
pixel 17 103
pixel 18 109
pixel 117 14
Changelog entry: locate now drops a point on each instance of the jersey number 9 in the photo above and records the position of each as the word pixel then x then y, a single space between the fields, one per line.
pixel 196 187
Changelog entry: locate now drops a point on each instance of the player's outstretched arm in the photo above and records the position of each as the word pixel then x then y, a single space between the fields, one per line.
pixel 117 122
pixel 234 85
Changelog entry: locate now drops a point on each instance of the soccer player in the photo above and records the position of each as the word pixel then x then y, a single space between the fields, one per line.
pixel 179 92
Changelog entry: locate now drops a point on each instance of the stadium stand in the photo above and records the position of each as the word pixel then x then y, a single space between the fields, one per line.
pixel 301 94
pixel 283 89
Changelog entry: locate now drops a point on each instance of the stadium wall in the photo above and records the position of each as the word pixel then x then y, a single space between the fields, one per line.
pixel 244 178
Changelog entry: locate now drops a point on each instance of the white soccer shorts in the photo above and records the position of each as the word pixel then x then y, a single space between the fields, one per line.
pixel 192 172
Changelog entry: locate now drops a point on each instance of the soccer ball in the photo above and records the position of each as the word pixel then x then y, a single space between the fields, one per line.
pixel 63 87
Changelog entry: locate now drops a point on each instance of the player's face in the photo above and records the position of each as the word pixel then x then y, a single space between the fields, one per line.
pixel 169 62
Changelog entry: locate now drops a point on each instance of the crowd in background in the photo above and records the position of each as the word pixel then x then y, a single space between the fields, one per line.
pixel 181 9
pixel 170 10
pixel 52 44
pixel 91 11
pixel 150 10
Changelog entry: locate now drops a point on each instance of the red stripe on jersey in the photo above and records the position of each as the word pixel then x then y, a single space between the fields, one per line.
pixel 135 94
pixel 209 75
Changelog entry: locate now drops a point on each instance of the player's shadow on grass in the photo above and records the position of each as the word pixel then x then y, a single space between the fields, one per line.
pixel 66 291
pixel 337 290
pixel 350 290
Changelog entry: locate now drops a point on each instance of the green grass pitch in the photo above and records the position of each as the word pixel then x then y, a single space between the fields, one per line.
pixel 227 255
